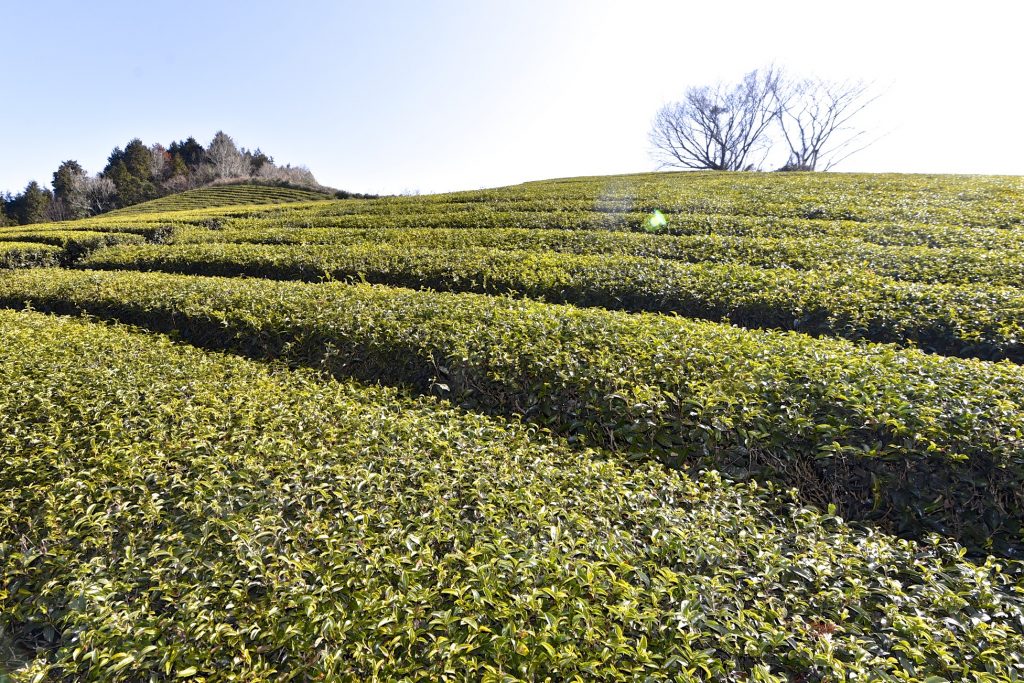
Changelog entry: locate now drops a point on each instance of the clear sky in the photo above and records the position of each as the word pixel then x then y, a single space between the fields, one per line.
pixel 433 96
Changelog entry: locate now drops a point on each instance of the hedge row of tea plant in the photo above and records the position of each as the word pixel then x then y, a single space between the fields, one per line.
pixel 952 265
pixel 775 206
pixel 170 514
pixel 916 441
pixel 989 202
pixel 74 242
pixel 677 224
pixel 155 229
pixel 890 210
pixel 225 195
pixel 937 199
pixel 969 320
pixel 448 216
pixel 27 255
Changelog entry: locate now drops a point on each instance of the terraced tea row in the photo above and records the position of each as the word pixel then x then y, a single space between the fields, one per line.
pixel 169 513
pixel 884 233
pixel 970 321
pixel 858 198
pixel 952 265
pixel 938 199
pixel 225 195
pixel 966 243
pixel 74 242
pixel 919 442
pixel 887 210
pixel 27 255
pixel 86 229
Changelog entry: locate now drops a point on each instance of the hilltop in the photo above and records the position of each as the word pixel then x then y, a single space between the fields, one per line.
pixel 139 174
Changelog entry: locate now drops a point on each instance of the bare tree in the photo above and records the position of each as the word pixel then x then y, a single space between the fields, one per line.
pixel 295 175
pixel 160 163
pixel 814 116
pixel 100 194
pixel 226 159
pixel 718 127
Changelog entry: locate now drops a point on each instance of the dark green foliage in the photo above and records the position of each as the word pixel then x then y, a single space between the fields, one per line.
pixel 169 514
pixel 6 214
pixel 176 167
pixel 67 179
pixel 135 159
pixel 71 191
pixel 131 172
pixel 257 160
pixel 189 152
pixel 30 206
pixel 915 441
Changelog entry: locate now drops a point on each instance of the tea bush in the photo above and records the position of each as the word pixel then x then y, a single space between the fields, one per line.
pixel 915 441
pixel 27 254
pixel 225 195
pixel 170 514
pixel 75 243
pixel 951 265
pixel 966 320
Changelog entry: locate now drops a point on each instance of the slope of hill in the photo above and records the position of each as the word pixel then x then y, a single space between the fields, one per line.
pixel 616 428
pixel 225 195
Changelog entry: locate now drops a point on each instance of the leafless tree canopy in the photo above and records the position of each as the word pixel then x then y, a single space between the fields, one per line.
pixel 718 127
pixel 227 160
pixel 814 117
pixel 731 128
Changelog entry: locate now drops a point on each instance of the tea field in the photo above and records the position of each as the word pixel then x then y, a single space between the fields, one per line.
pixel 674 426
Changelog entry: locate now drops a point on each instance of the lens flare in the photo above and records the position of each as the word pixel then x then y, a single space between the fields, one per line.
pixel 655 222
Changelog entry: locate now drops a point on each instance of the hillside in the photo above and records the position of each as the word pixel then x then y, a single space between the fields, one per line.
pixel 225 195
pixel 672 426
pixel 139 174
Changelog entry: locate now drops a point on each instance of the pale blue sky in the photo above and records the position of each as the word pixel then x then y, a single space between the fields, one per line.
pixel 433 96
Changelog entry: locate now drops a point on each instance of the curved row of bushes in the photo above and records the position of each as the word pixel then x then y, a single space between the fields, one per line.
pixel 28 255
pixel 969 320
pixel 986 202
pixel 916 441
pixel 74 242
pixel 935 199
pixel 952 265
pixel 92 227
pixel 888 233
pixel 229 194
pixel 364 215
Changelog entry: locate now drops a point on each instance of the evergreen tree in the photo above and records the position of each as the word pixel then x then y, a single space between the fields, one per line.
pixel 69 186
pixel 257 160
pixel 138 160
pixel 190 152
pixel 178 167
pixel 31 205
pixel 6 215
pixel 131 171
